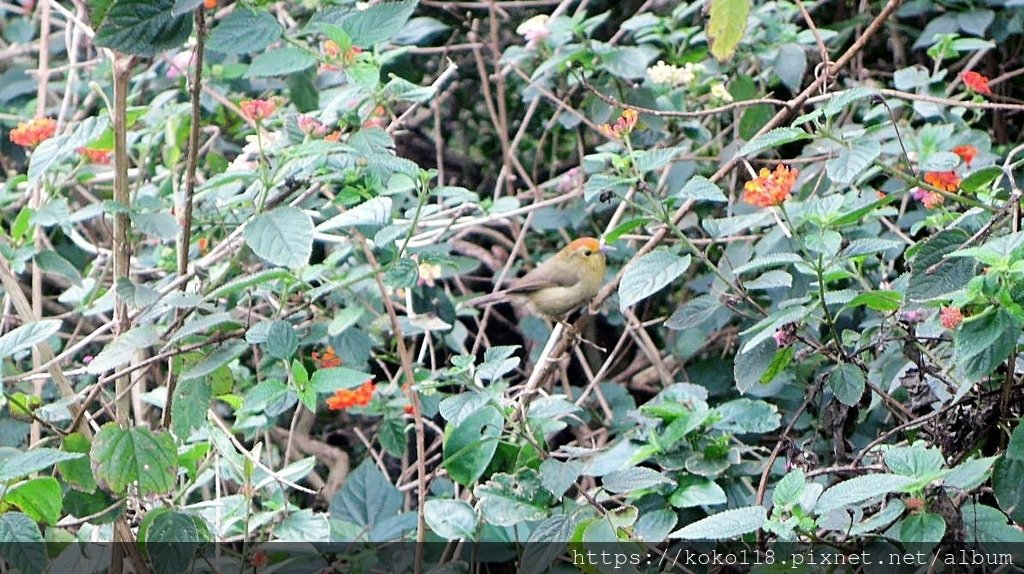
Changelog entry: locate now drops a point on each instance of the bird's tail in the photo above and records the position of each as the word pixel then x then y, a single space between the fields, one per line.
pixel 488 299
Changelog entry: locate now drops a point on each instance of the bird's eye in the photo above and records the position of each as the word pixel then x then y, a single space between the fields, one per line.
pixel 586 252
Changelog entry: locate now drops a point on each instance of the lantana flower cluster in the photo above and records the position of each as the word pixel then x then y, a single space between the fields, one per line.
pixel 347 398
pixel 770 188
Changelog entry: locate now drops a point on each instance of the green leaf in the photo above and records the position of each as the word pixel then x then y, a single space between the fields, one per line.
pixel 213 361
pixel 77 472
pixel 367 497
pixel 783 357
pixel 634 478
pixel 970 474
pixel 649 274
pixel 700 188
pixel 747 416
pixel 171 539
pixel 25 463
pixel 987 525
pixel 21 543
pixel 244 31
pixel 697 491
pixel 282 342
pixel 124 456
pixel 790 65
pixel 558 476
pixel 728 524
pixel 981 178
pixel 862 488
pixel 726 24
pixel 652 159
pixel 918 461
pixel 921 528
pixel 469 448
pixel 750 367
pixel 883 301
pixel 772 139
pixel 378 23
pixel 53 262
pixel 280 62
pixel 39 498
pixel 450 519
pixel 694 312
pixel 508 500
pixel 1008 476
pixel 932 275
pixel 853 158
pixel 122 349
pixel 27 336
pixel 983 342
pixel 402 273
pixel 56 150
pixel 188 409
pixel 624 228
pixel 847 383
pixel 336 378
pixel 374 211
pixel 283 236
pixel 790 489
pixel 143 27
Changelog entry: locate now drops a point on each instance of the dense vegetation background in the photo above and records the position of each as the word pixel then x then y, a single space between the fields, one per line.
pixel 238 240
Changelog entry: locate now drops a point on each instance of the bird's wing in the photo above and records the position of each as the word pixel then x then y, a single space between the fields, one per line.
pixel 544 275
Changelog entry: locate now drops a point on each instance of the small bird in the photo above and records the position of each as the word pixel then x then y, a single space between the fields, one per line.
pixel 558 285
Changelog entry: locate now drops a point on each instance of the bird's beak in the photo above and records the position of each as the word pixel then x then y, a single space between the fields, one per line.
pixel 605 248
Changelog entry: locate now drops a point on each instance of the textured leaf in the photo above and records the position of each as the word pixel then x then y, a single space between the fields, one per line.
pixel 772 139
pixel 124 456
pixel 366 498
pixel 726 24
pixel 649 274
pixel 847 383
pixel 450 519
pixel 25 463
pixel 243 31
pixel 632 479
pixel 728 524
pixel 27 336
pixel 281 62
pixel 700 188
pixel 283 236
pixel 21 543
pixel 377 23
pixel 853 158
pixel 860 489
pixel 932 275
pixel 143 27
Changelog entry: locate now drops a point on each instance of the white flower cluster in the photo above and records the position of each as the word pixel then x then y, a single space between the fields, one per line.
pixel 662 73
pixel 534 30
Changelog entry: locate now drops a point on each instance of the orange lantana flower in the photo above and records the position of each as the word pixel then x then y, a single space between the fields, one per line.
pixel 257 110
pixel 326 361
pixel 944 180
pixel 966 153
pixel 623 125
pixel 100 156
pixel 977 82
pixel 34 132
pixel 770 188
pixel 345 398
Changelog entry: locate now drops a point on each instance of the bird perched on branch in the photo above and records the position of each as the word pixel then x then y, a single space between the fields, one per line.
pixel 569 279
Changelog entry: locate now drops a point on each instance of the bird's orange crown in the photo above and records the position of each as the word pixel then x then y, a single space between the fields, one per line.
pixel 585 242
